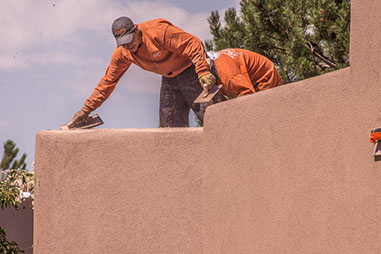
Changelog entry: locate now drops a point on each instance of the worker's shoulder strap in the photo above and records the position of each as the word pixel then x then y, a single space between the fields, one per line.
pixel 211 56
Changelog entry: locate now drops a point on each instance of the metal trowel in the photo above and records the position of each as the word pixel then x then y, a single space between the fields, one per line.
pixel 86 123
pixel 206 97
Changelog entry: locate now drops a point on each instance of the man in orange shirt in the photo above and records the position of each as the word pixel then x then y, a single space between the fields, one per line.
pixel 162 48
pixel 244 72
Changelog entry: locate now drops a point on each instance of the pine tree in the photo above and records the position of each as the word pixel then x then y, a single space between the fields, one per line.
pixel 303 38
pixel 8 160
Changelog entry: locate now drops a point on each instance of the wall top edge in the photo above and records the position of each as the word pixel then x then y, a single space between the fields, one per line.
pixel 120 131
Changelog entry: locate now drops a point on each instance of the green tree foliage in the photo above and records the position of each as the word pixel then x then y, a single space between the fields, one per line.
pixel 7 247
pixel 12 188
pixel 14 182
pixel 8 160
pixel 303 38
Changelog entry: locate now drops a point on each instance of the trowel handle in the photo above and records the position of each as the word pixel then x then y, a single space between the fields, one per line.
pixel 205 90
pixel 70 124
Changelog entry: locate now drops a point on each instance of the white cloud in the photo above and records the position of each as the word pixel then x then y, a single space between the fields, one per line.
pixel 139 80
pixel 58 99
pixel 60 57
pixel 12 62
pixel 83 81
pixel 30 25
pixel 58 33
pixel 193 23
pixel 4 123
pixel 45 59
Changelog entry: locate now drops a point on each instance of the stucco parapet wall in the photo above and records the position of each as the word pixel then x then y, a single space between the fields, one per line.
pixel 297 174
pixel 118 191
pixel 273 100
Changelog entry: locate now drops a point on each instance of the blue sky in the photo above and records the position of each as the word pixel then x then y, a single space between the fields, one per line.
pixel 53 53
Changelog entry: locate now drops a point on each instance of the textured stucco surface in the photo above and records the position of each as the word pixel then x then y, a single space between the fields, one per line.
pixel 19 225
pixel 118 191
pixel 287 170
pixel 293 171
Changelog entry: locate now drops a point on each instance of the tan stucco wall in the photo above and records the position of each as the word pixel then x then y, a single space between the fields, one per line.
pixel 293 171
pixel 287 170
pixel 298 176
pixel 118 191
pixel 19 225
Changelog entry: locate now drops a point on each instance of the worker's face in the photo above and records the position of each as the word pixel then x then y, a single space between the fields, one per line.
pixel 134 45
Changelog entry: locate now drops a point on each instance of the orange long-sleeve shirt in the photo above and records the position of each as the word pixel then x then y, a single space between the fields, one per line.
pixel 166 50
pixel 240 70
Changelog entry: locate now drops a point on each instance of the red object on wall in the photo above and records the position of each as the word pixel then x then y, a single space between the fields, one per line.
pixel 375 135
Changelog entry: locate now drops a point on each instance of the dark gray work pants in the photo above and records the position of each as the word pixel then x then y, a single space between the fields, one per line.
pixel 176 98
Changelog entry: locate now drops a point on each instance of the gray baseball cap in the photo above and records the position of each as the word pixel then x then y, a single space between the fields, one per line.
pixel 123 29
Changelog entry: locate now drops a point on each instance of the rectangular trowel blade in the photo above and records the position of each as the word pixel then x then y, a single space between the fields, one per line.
pixel 87 123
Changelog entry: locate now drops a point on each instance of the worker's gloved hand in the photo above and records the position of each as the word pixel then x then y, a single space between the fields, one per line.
pixel 207 81
pixel 80 115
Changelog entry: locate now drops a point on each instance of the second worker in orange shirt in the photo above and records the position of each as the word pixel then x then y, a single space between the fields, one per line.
pixel 243 72
pixel 160 47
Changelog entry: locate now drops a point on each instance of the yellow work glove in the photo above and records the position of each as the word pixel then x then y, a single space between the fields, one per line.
pixel 80 115
pixel 207 81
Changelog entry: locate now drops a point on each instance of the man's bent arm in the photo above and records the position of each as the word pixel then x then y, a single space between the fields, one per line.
pixel 182 43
